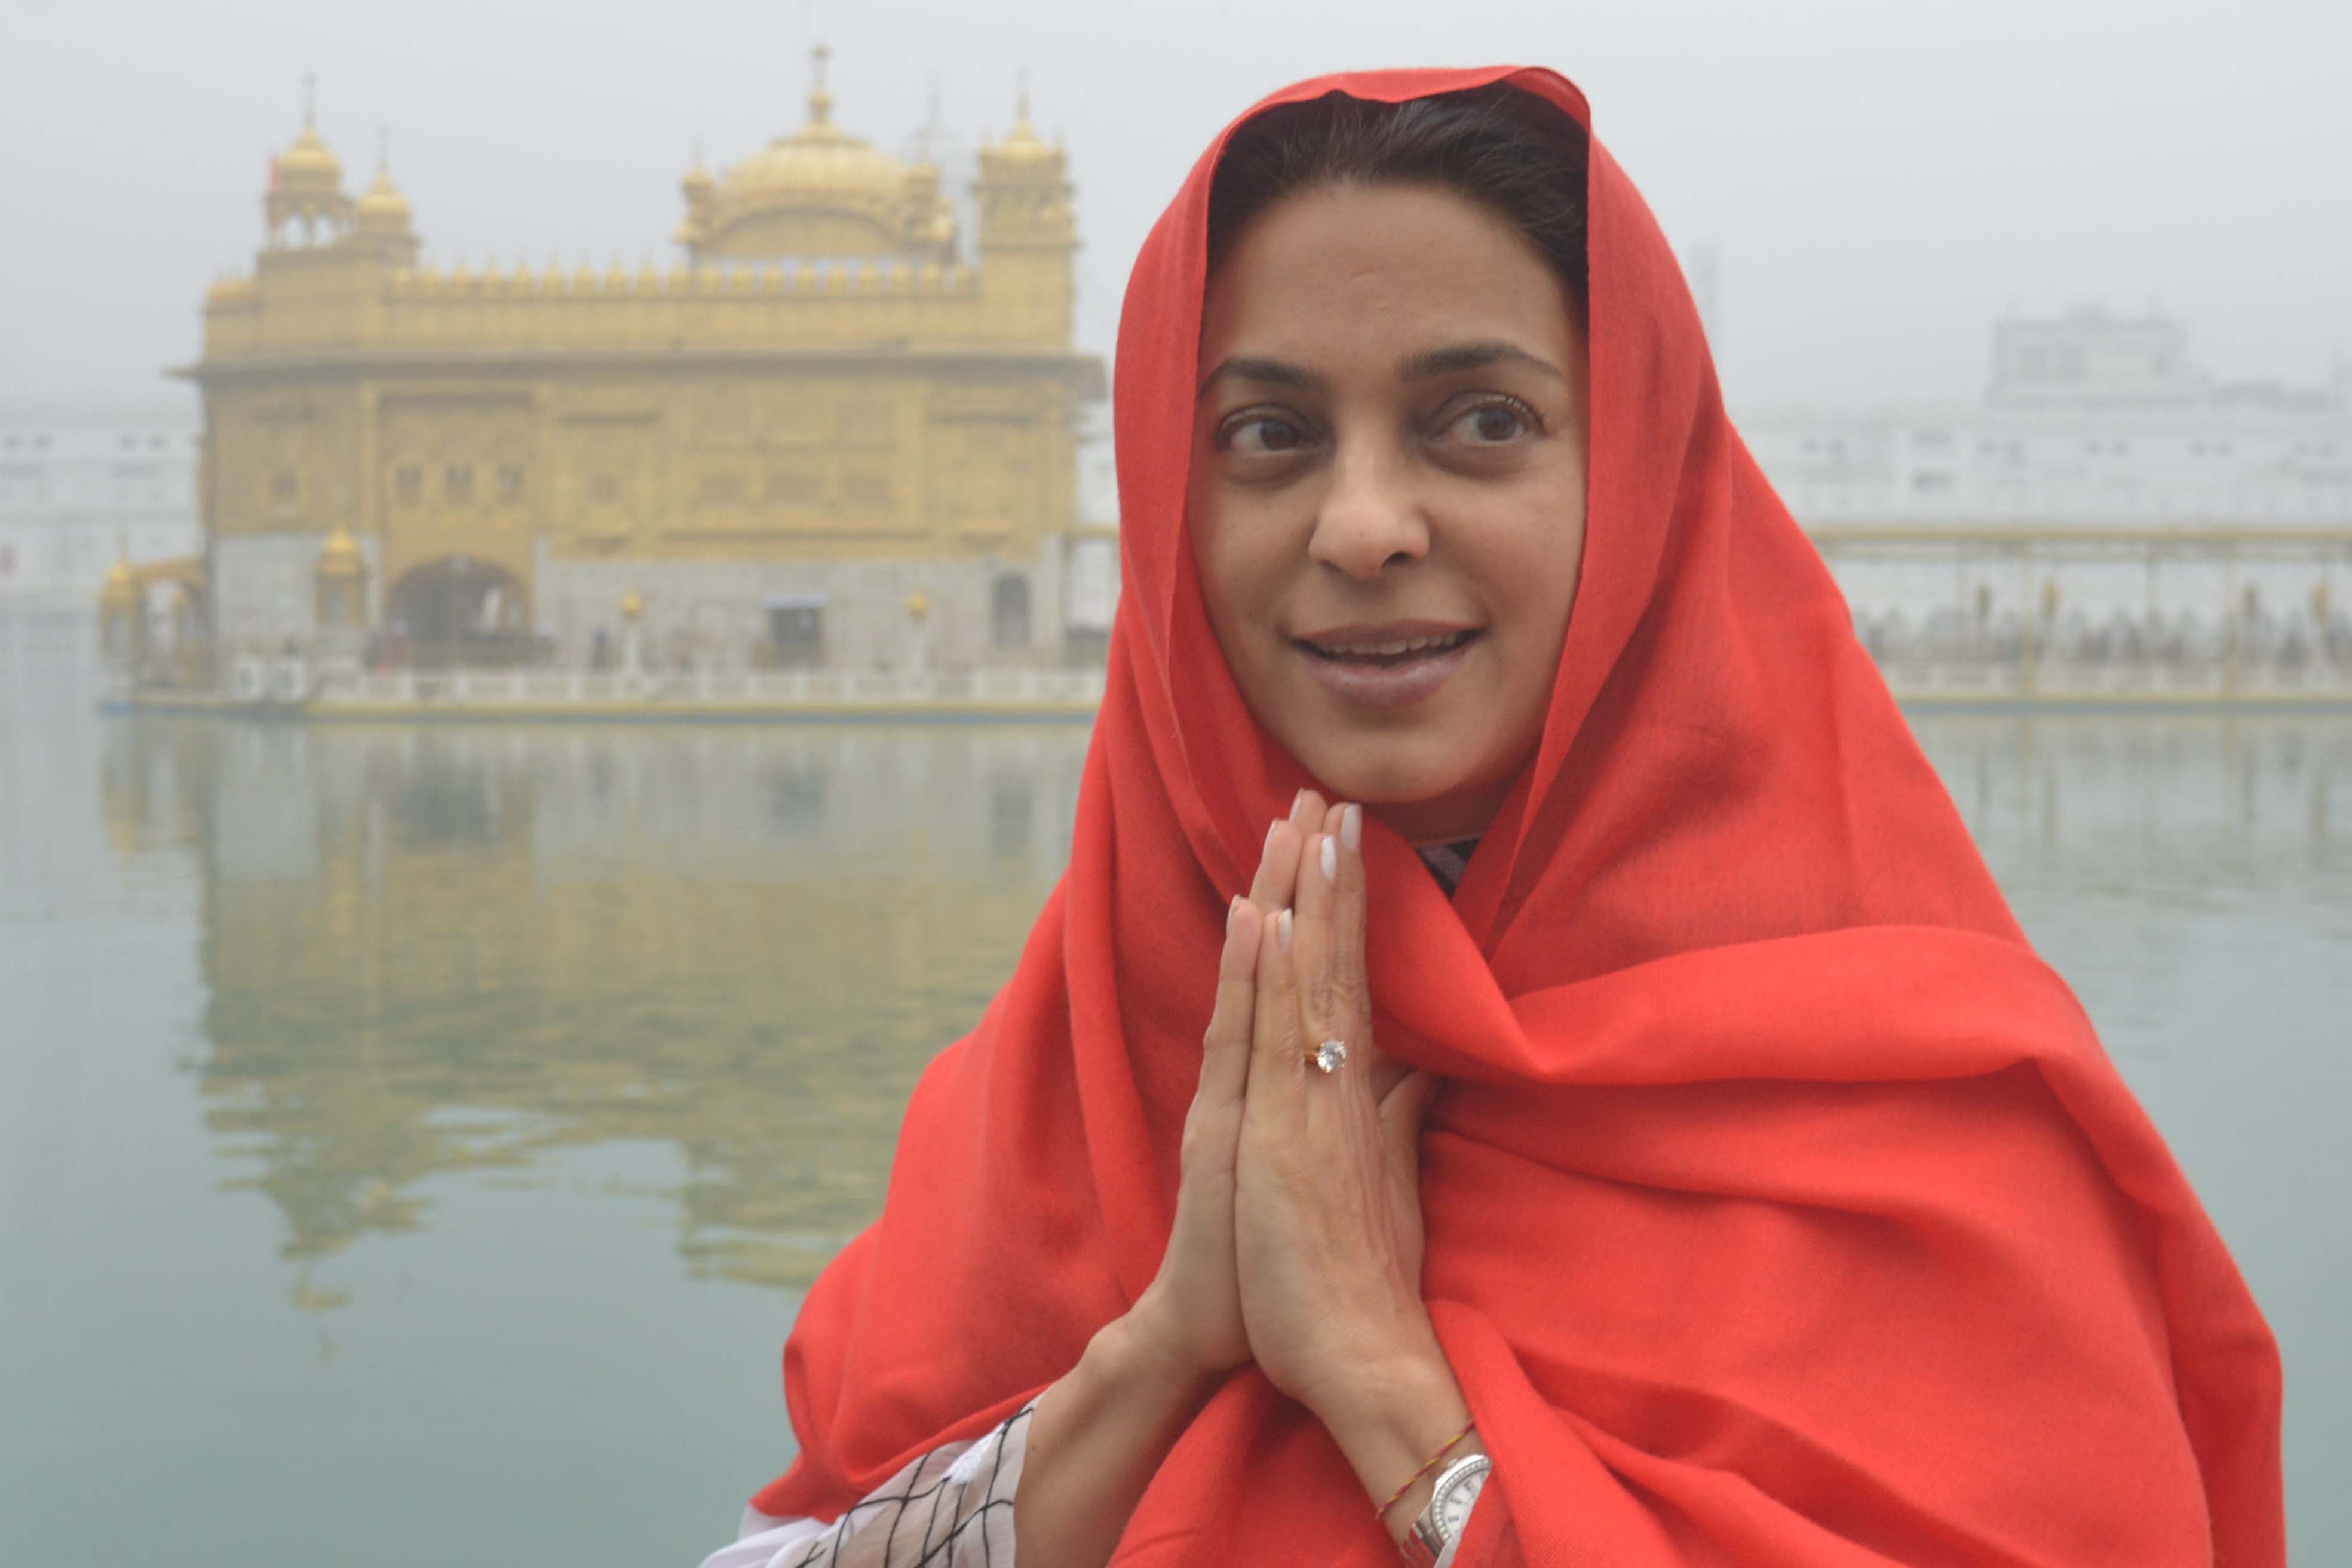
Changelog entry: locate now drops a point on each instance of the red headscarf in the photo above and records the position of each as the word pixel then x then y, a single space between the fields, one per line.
pixel 1783 1208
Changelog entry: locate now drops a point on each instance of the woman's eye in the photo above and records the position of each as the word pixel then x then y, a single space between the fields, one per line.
pixel 1263 437
pixel 1489 424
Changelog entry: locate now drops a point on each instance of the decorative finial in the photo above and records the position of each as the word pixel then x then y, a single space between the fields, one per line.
pixel 820 100
pixel 383 152
pixel 309 100
pixel 1020 102
pixel 931 136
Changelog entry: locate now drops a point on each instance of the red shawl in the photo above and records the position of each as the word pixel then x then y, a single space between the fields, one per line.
pixel 1783 1208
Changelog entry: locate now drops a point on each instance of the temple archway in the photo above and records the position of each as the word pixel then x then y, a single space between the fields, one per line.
pixel 174 636
pixel 459 610
pixel 155 623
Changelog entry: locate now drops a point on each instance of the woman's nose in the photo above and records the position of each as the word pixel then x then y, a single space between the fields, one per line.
pixel 1370 520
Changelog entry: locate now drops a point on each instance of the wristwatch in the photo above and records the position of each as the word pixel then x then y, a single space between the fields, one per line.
pixel 1449 1508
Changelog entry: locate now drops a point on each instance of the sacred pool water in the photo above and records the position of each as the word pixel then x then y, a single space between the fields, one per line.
pixel 414 1141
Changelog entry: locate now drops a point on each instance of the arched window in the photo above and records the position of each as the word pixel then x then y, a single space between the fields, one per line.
pixel 1009 605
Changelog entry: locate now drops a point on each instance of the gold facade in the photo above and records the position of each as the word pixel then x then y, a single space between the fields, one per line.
pixel 825 377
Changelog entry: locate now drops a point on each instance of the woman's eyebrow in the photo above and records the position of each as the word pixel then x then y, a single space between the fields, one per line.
pixel 1473 357
pixel 1273 371
pixel 1418 367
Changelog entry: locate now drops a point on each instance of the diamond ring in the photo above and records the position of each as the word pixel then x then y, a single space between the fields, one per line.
pixel 1329 1055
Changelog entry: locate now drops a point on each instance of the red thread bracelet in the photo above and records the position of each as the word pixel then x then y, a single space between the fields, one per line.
pixel 1436 1459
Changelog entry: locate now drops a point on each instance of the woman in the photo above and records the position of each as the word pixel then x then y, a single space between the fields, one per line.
pixel 1632 1130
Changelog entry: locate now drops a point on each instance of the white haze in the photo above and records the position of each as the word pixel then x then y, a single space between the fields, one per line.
pixel 1880 180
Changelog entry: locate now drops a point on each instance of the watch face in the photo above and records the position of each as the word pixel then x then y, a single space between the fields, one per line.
pixel 1455 1493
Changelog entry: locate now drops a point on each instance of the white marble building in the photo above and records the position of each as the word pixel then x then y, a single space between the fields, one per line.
pixel 2106 497
pixel 2089 421
pixel 84 486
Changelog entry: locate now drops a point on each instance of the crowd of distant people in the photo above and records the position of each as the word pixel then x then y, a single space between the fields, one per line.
pixel 2257 642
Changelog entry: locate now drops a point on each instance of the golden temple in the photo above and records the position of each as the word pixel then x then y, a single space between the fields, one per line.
pixel 825 411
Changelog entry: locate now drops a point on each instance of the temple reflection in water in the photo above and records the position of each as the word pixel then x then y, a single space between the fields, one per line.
pixel 457 950
pixel 453 950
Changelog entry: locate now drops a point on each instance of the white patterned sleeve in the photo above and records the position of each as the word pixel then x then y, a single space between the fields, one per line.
pixel 952 1507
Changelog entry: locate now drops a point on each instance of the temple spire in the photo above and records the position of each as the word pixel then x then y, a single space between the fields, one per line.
pixel 820 98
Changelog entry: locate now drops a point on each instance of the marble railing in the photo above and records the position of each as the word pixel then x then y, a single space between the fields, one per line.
pixel 750 691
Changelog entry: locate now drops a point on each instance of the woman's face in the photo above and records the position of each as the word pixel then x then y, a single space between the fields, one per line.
pixel 1386 497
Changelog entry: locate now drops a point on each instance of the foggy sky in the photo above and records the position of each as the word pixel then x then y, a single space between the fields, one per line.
pixel 1880 180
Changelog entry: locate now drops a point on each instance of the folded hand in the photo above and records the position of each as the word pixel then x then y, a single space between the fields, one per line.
pixel 1327 1216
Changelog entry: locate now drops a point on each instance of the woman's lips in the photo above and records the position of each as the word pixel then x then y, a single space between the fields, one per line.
pixel 1349 671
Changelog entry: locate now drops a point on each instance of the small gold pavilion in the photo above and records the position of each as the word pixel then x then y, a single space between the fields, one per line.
pixel 827 409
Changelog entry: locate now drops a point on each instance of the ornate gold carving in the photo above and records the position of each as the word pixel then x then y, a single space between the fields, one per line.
pixel 983 474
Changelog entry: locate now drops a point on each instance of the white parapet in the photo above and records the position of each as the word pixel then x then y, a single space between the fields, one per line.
pixel 714 694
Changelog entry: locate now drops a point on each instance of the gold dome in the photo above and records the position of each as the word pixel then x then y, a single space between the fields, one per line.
pixel 380 208
pixel 122 586
pixel 819 161
pixel 340 556
pixel 1023 145
pixel 309 156
pixel 818 192
pixel 308 163
pixel 384 210
pixel 306 185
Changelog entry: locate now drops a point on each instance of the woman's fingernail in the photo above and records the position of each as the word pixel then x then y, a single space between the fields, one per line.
pixel 1269 836
pixel 1330 858
pixel 1233 914
pixel 1351 827
pixel 1298 800
pixel 1282 930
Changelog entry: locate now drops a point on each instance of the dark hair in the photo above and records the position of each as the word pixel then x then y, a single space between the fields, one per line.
pixel 1505 148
